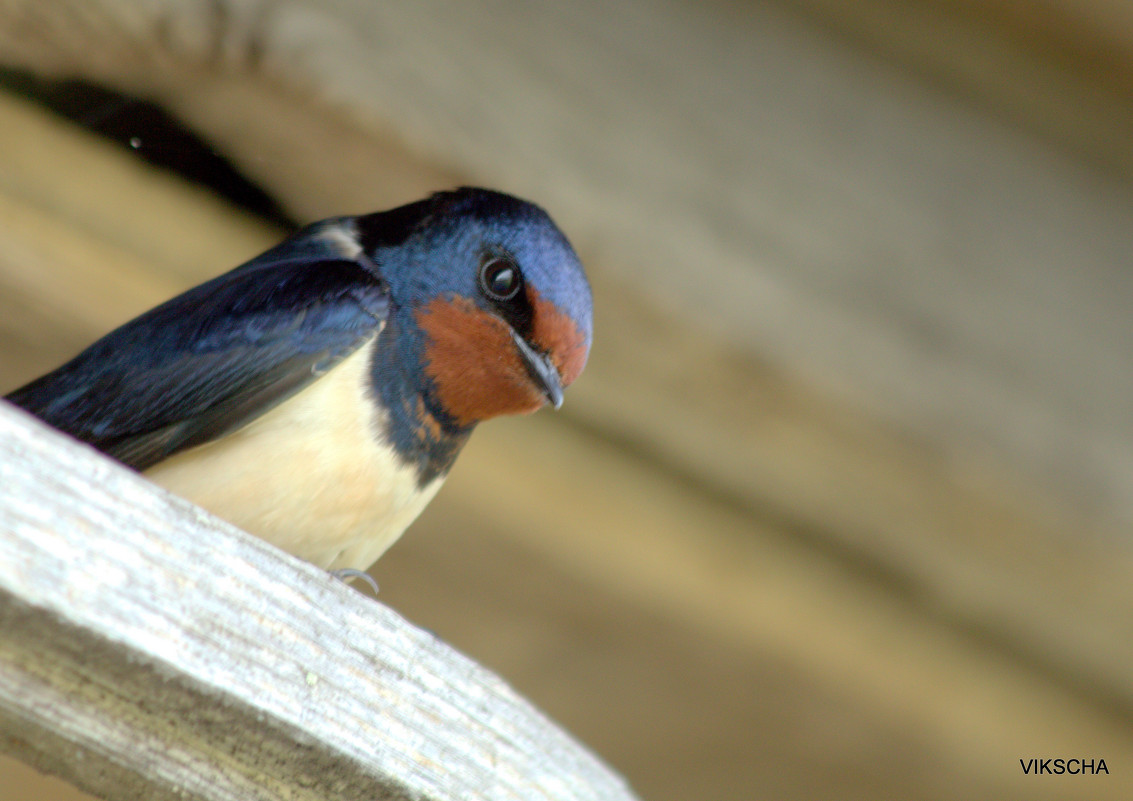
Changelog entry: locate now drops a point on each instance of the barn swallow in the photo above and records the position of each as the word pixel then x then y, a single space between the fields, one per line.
pixel 318 395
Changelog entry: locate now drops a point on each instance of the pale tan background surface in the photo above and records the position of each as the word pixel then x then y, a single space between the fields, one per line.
pixel 842 506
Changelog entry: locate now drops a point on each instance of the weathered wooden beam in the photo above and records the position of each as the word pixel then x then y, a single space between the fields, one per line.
pixel 1061 68
pixel 148 650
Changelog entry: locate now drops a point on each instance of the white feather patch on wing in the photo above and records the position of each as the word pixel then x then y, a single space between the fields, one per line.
pixel 342 236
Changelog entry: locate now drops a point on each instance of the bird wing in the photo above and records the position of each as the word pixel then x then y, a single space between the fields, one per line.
pixel 214 358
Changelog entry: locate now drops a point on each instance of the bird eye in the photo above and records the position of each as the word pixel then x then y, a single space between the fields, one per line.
pixel 500 278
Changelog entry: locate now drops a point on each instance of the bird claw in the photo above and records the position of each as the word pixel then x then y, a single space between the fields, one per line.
pixel 345 574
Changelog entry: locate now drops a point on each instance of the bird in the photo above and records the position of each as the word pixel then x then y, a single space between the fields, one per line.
pixel 318 395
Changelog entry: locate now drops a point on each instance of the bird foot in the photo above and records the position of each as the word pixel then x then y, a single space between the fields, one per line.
pixel 347 573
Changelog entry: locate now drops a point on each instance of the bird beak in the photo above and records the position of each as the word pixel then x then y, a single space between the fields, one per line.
pixel 542 372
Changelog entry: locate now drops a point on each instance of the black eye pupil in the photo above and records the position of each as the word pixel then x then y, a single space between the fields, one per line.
pixel 500 279
pixel 503 281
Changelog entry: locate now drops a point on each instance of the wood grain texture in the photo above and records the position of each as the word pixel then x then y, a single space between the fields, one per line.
pixel 1062 69
pixel 150 651
pixel 878 336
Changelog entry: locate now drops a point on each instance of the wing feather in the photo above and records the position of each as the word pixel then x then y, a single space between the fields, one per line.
pixel 214 358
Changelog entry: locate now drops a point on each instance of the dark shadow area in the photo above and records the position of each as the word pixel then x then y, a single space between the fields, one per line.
pixel 149 131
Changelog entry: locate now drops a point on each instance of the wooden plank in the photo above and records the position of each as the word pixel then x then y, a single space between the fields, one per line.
pixel 930 698
pixel 961 281
pixel 706 646
pixel 1062 69
pixel 148 650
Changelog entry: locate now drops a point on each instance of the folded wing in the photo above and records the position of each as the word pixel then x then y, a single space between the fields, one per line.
pixel 212 359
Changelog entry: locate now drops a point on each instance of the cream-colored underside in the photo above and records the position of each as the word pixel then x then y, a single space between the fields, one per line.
pixel 310 476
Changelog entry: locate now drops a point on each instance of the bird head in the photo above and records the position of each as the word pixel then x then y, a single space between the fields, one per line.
pixel 489 302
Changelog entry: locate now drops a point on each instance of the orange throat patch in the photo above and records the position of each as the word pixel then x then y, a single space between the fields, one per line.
pixel 474 364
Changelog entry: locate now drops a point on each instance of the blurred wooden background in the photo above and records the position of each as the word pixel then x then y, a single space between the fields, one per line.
pixel 843 504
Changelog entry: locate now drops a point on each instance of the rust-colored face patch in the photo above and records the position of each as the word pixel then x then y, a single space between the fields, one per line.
pixel 556 334
pixel 473 362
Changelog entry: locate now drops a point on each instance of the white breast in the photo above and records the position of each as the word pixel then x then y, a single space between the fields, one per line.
pixel 311 476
